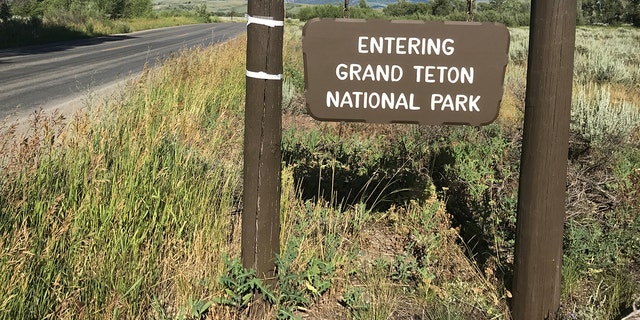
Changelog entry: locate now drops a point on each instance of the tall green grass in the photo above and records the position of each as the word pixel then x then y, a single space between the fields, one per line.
pixel 126 213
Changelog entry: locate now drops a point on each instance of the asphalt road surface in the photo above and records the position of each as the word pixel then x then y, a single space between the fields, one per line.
pixel 47 76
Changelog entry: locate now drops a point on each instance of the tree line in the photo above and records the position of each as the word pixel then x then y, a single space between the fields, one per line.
pixel 113 9
pixel 26 22
pixel 509 12
pixel 610 12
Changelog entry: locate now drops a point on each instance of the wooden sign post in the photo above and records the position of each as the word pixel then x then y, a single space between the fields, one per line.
pixel 262 138
pixel 543 173
pixel 541 200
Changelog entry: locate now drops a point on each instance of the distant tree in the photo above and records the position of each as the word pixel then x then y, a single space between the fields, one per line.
pixel 320 11
pixel 511 13
pixel 612 11
pixel 446 7
pixel 633 13
pixel 402 8
pixel 363 11
pixel 5 11
pixel 111 8
pixel 25 8
pixel 441 7
pixel 202 13
pixel 580 19
pixel 590 11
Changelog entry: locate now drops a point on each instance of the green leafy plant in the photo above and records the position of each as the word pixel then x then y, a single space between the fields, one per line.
pixel 195 310
pixel 403 268
pixel 353 301
pixel 198 308
pixel 241 285
pixel 478 170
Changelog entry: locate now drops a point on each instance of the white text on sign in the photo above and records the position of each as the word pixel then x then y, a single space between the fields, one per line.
pixel 405 45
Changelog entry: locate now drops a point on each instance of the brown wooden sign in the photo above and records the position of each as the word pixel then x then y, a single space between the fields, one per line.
pixel 422 72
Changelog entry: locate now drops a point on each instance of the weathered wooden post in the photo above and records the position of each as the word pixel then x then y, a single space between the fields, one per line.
pixel 542 191
pixel 262 138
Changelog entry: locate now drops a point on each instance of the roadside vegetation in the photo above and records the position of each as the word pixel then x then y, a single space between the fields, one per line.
pixel 36 22
pixel 512 13
pixel 131 208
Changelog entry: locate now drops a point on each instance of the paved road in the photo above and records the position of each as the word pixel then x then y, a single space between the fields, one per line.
pixel 49 75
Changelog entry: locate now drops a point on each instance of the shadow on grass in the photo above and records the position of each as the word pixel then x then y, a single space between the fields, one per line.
pixel 346 175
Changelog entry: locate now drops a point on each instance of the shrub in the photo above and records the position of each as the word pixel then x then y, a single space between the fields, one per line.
pixel 597 118
pixel 477 168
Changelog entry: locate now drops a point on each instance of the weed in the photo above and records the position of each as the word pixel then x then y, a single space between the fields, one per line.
pixel 240 285
pixel 352 299
pixel 478 169
pixel 197 309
